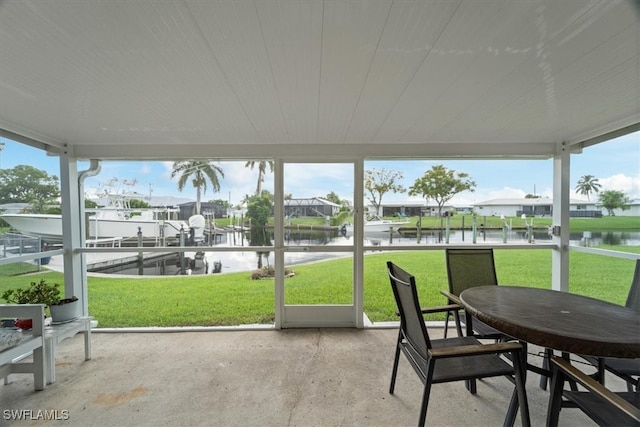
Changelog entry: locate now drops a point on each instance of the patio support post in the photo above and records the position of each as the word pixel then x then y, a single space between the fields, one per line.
pixel 358 256
pixel 75 277
pixel 560 230
pixel 278 209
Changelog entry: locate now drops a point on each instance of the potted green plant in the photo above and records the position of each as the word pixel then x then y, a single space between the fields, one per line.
pixel 43 292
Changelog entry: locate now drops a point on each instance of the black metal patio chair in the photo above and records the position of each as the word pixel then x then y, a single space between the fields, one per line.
pixel 468 268
pixel 603 406
pixel 451 359
pixel 627 369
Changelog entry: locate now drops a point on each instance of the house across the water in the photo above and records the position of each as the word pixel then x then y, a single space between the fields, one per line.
pixel 541 206
pixel 313 206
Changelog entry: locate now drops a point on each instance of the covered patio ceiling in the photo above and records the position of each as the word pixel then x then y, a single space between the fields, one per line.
pixel 236 79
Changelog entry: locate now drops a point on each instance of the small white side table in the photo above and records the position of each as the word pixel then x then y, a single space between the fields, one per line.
pixel 55 334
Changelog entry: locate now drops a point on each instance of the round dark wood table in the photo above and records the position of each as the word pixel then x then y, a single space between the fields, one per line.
pixel 557 320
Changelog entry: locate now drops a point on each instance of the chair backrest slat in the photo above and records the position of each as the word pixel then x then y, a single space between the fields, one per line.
pixel 411 320
pixel 468 268
pixel 633 299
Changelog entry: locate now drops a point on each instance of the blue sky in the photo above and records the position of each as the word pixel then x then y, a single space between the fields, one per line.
pixel 615 163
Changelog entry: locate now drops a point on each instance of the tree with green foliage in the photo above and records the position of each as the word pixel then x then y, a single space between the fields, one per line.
pixel 138 204
pixel 441 184
pixel 26 184
pixel 262 170
pixel 199 172
pixel 219 202
pixel 588 184
pixel 259 211
pixel 267 194
pixel 378 182
pixel 334 198
pixel 90 204
pixel 614 199
pixel 42 206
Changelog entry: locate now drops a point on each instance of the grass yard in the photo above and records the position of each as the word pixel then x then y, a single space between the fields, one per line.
pixel 234 299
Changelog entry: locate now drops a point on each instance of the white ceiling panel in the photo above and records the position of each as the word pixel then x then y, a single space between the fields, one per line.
pixel 368 78
pixel 350 36
pixel 411 31
pixel 293 40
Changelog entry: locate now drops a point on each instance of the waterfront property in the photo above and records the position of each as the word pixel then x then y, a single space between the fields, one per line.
pixel 323 86
pixel 368 91
pixel 310 207
pixel 531 207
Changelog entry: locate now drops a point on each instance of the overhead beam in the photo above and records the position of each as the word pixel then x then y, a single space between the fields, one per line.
pixel 608 136
pixel 478 150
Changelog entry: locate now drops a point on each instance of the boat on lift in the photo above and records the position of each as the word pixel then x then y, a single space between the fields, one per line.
pixel 117 219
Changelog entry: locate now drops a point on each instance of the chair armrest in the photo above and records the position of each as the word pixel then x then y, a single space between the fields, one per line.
pixel 452 297
pixel 440 308
pixel 595 387
pixel 473 350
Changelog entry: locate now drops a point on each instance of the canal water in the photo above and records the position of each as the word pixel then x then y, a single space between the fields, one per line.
pixel 239 260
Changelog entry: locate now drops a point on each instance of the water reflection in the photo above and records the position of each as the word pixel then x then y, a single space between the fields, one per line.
pixel 240 260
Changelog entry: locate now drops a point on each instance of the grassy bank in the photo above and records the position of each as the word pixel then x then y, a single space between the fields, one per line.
pixel 233 298
pixel 608 223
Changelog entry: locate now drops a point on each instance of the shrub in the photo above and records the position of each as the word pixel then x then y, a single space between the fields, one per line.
pixel 41 292
pixel 269 272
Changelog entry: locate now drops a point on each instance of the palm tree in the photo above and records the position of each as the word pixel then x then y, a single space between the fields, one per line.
pixel 262 170
pixel 588 184
pixel 197 171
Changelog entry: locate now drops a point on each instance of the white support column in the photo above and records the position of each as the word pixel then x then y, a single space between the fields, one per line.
pixel 561 203
pixel 278 209
pixel 75 278
pixel 358 258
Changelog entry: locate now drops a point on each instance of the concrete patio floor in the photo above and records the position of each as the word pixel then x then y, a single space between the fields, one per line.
pixel 301 377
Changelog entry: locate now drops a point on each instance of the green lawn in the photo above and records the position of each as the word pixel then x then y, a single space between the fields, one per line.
pixel 606 223
pixel 233 298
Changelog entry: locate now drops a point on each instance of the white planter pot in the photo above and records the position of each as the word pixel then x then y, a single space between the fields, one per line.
pixel 66 311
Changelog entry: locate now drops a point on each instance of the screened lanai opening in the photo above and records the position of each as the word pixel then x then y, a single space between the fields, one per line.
pixel 30 184
pixel 329 82
pixel 319 251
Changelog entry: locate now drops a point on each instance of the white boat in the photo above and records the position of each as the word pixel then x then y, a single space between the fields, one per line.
pixel 375 226
pixel 49 227
pixel 116 220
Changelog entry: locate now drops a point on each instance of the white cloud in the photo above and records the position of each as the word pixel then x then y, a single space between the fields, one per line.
pixel 168 167
pixel 145 169
pixel 240 180
pixel 620 182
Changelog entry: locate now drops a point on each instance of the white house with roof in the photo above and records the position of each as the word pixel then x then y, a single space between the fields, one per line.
pixel 634 209
pixel 416 208
pixel 541 206
pixel 406 208
pixel 312 206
